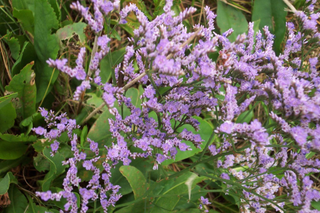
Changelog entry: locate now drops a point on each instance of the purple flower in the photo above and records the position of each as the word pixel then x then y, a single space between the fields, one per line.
pixel 160 158
pixel 40 130
pixel 54 146
pixel 87 165
pixel 46 195
pixel 226 127
pixel 183 147
pixel 109 99
pixel 299 134
pixel 53 133
pixel 149 92
pixel 43 112
pixel 225 176
pixel 61 127
pixel 113 153
pixel 204 201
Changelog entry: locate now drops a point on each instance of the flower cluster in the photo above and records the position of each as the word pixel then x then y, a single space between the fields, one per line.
pixel 94 188
pixel 181 82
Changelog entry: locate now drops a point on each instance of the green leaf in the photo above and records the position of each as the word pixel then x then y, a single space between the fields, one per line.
pixel 316 205
pixel 24 84
pixel 10 151
pixel 229 17
pixel 136 180
pixel 6 181
pixel 56 168
pixel 109 62
pixel 18 138
pixel 134 95
pixel 4 184
pixel 245 117
pixel 46 46
pixel 83 135
pixel 26 56
pixel 205 133
pixel 7 99
pixel 95 100
pixel 271 13
pixel 41 163
pixel 7 114
pixel 55 5
pixel 14 45
pixel 68 31
pixel 172 190
pixel 118 179
pixel 18 201
pixel 25 4
pixel 26 19
pixel 99 132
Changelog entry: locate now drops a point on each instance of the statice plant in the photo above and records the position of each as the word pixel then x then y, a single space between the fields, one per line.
pixel 266 164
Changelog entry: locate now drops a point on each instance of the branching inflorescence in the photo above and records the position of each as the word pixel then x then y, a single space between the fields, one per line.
pixel 160 55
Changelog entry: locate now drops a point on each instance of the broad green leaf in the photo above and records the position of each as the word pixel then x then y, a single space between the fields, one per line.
pixel 24 84
pixel 118 179
pixel 18 138
pixel 139 205
pixel 108 63
pixel 28 121
pixel 99 132
pixel 205 132
pixel 26 19
pixel 7 114
pixel 95 100
pixel 229 17
pixel 26 56
pixel 41 163
pixel 271 13
pixel 56 168
pixel 46 46
pixel 14 45
pixel 316 205
pixel 55 4
pixel 245 117
pixel 11 151
pixel 68 31
pixel 6 181
pixel 18 203
pixel 4 184
pixel 134 95
pixel 6 99
pixel 136 180
pixel 25 4
pixel 172 191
